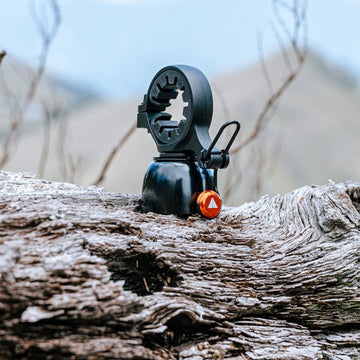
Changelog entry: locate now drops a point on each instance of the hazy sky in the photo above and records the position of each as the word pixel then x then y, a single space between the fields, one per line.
pixel 116 46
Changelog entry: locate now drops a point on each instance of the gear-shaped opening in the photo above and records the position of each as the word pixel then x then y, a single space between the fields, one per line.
pixel 177 108
pixel 170 96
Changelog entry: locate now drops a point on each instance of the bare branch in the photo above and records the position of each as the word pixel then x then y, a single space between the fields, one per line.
pixel 46 140
pixel 268 110
pixel 73 167
pixel 224 106
pixel 2 55
pixel 112 154
pixel 286 5
pixel 46 31
pixel 299 17
pixel 294 58
pixel 10 99
pixel 19 114
pixel 300 23
pixel 277 4
pixel 270 105
pixel 264 67
pixel 232 179
pixel 284 50
pixel 60 148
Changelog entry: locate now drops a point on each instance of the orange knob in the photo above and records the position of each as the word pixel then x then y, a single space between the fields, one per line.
pixel 209 204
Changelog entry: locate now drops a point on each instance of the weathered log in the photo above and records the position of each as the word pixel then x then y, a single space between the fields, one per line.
pixel 85 275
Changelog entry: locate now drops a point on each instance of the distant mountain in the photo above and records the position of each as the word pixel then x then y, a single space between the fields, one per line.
pixel 312 137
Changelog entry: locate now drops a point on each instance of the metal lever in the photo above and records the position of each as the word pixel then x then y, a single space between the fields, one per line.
pixel 219 158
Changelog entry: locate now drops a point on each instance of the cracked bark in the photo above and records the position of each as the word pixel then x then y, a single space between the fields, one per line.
pixel 85 276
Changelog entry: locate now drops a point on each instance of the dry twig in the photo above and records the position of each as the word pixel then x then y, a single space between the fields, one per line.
pixel 47 36
pixel 299 16
pixel 60 147
pixel 74 166
pixel 46 140
pixel 112 154
pixel 2 55
pixel 297 10
pixel 222 100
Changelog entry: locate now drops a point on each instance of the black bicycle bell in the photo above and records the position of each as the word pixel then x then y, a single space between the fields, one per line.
pixel 182 180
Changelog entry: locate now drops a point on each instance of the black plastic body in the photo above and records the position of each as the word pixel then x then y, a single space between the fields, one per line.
pixel 188 160
pixel 171 184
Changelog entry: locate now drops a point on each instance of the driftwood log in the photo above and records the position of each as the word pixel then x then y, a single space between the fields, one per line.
pixel 85 275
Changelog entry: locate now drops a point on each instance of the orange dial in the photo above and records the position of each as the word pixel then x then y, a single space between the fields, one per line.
pixel 209 204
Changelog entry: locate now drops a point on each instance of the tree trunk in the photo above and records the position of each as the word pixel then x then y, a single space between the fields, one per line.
pixel 84 275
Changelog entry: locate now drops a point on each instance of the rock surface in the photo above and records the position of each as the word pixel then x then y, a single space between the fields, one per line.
pixel 83 275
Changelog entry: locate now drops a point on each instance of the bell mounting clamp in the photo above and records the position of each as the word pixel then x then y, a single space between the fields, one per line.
pixel 187 141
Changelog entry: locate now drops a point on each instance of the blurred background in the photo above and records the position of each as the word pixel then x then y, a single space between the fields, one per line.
pixel 75 71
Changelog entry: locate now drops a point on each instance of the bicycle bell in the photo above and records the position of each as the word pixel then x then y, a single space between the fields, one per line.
pixel 182 180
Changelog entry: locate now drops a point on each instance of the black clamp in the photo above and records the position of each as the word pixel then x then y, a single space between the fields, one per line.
pixel 190 136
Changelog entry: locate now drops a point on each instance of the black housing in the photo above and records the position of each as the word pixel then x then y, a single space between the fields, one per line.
pixel 188 160
pixel 171 185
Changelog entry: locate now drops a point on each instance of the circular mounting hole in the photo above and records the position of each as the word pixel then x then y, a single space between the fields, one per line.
pixel 170 96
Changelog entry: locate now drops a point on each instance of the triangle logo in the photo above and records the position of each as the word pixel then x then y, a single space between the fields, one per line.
pixel 212 204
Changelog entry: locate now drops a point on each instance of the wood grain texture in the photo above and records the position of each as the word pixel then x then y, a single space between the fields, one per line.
pixel 86 276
